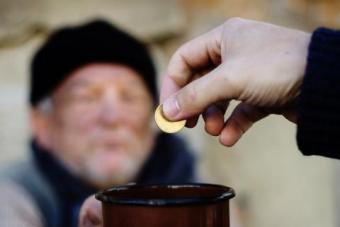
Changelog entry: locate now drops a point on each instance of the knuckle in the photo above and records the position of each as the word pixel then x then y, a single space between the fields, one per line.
pixel 231 81
pixel 234 26
pixel 179 68
pixel 234 22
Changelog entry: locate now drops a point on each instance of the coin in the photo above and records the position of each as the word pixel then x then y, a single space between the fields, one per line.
pixel 164 124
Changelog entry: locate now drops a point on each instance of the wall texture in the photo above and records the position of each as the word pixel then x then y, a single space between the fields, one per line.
pixel 275 184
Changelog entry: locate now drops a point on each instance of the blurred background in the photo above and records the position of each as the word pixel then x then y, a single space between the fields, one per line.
pixel 274 183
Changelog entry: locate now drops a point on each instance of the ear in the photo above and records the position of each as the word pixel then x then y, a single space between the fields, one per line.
pixel 40 124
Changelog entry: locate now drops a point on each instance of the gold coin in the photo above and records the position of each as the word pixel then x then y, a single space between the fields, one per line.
pixel 166 125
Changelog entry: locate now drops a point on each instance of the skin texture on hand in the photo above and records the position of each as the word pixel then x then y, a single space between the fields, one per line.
pixel 259 64
pixel 91 213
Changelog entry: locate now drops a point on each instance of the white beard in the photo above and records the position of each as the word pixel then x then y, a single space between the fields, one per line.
pixel 98 177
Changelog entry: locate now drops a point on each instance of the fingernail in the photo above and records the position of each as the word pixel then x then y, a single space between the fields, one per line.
pixel 226 138
pixel 170 107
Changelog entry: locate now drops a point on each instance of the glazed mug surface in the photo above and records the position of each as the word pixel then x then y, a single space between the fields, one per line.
pixel 178 205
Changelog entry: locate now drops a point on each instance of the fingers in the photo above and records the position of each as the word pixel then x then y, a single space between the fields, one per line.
pixel 169 87
pixel 198 54
pixel 192 121
pixel 241 119
pixel 214 118
pixel 195 97
pixel 91 213
pixel 291 115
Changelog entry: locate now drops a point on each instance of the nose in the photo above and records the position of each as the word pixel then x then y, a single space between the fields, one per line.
pixel 110 111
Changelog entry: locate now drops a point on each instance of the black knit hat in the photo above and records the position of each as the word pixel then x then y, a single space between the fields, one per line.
pixel 72 47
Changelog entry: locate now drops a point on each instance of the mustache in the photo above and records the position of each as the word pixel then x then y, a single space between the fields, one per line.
pixel 122 135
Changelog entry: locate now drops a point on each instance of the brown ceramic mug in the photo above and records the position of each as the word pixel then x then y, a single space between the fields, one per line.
pixel 183 205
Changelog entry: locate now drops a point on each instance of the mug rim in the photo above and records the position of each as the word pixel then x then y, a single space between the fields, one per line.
pixel 226 194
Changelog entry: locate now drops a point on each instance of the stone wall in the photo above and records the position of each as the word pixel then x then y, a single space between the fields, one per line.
pixel 275 184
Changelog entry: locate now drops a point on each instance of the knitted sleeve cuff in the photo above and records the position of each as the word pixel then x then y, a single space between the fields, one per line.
pixel 319 100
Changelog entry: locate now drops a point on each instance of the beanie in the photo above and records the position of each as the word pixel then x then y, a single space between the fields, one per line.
pixel 70 48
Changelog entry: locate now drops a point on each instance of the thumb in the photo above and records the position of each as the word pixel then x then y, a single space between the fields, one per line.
pixel 196 96
pixel 90 213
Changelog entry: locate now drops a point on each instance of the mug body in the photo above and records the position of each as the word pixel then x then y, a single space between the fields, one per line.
pixel 180 205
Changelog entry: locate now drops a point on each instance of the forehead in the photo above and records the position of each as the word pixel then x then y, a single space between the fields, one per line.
pixel 103 73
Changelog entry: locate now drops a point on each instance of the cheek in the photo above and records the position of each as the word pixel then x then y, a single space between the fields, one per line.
pixel 72 133
pixel 78 122
pixel 140 122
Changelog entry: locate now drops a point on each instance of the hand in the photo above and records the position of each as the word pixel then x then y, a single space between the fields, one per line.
pixel 259 64
pixel 91 213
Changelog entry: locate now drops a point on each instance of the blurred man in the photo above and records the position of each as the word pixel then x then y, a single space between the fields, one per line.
pixel 92 97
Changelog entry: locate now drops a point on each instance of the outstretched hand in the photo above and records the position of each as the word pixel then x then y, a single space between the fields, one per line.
pixel 259 64
pixel 91 213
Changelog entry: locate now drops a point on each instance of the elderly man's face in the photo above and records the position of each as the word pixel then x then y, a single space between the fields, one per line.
pixel 100 124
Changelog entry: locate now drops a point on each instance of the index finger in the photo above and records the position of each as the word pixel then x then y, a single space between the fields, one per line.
pixel 169 87
pixel 198 54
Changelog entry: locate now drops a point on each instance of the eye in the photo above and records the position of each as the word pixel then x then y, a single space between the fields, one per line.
pixel 86 95
pixel 129 97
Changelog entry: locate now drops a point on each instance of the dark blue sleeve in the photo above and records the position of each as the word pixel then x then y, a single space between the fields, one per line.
pixel 319 100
